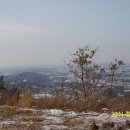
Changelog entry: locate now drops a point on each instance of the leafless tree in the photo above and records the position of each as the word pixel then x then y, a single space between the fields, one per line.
pixel 85 70
pixel 114 69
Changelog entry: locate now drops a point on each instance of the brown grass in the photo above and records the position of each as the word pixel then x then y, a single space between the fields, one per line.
pixel 50 102
pixel 25 99
pixel 33 119
pixel 61 101
pixel 121 104
pixel 16 98
pixel 73 122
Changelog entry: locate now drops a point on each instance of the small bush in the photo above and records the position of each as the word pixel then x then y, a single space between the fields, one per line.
pixel 50 102
pixel 25 99
pixel 16 97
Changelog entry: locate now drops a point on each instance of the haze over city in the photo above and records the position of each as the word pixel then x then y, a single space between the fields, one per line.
pixel 45 32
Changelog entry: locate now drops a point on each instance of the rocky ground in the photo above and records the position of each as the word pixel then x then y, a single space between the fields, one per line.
pixel 12 118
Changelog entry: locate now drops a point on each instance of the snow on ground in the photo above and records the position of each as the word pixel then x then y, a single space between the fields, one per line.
pixel 7 122
pixel 55 127
pixel 41 95
pixel 103 117
pixel 56 119
pixel 53 112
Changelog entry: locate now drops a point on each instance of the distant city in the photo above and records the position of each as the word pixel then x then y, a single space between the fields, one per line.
pixel 50 78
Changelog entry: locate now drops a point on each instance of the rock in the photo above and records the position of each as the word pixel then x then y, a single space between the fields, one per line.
pixel 104 110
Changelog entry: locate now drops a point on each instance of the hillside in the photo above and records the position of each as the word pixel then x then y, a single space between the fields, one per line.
pixel 13 118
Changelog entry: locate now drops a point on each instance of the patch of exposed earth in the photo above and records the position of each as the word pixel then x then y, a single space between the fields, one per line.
pixel 12 118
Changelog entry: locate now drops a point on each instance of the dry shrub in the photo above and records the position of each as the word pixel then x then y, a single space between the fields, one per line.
pixel 11 97
pixel 16 97
pixel 121 104
pixel 93 103
pixel 96 102
pixel 50 102
pixel 11 100
pixel 58 102
pixel 25 99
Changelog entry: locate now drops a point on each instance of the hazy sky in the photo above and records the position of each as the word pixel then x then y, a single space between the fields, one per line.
pixel 45 32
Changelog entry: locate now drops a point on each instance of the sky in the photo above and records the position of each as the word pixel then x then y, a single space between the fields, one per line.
pixel 46 32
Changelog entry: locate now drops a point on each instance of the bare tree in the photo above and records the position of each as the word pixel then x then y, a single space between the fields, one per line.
pixel 91 81
pixel 85 70
pixel 114 69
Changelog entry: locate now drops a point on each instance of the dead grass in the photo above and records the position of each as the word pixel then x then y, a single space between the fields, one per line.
pixel 7 112
pixel 20 127
pixel 25 99
pixel 121 104
pixel 73 122
pixel 33 119
pixel 50 102
pixel 16 97
pixel 11 113
pixel 61 101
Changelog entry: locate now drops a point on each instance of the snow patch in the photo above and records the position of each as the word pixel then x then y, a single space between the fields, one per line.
pixel 55 127
pixel 89 113
pixel 7 122
pixel 37 96
pixel 103 117
pixel 53 112
pixel 54 120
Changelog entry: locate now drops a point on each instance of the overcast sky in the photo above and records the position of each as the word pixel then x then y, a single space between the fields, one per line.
pixel 45 32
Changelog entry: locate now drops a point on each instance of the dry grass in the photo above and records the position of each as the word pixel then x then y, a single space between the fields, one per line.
pixel 61 101
pixel 16 97
pixel 12 113
pixel 73 122
pixel 7 112
pixel 25 99
pixel 50 102
pixel 33 119
pixel 20 127
pixel 121 104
